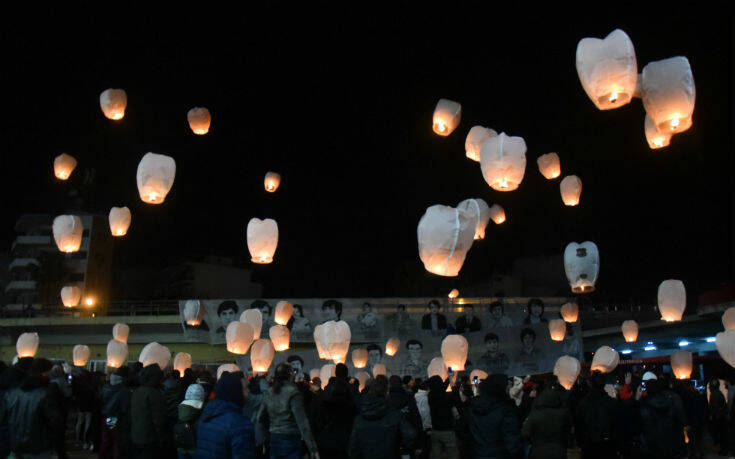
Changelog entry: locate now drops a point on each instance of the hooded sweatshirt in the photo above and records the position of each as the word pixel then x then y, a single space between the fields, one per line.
pixel 149 425
pixel 495 428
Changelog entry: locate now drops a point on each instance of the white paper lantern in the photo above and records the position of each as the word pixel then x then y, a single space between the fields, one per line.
pixel 497 214
pixel 80 355
pixel 605 360
pixel 155 177
pixel 255 319
pixel 454 293
pixel 27 344
pixel 193 313
pixel 359 358
pixel 446 116
pixel 227 367
pixel 120 332
pixel 391 347
pixel 155 353
pixel 113 103
pixel 71 295
pixel 327 371
pixel 479 374
pixel 725 343
pixel 262 239
pixel 363 378
pixel 445 234
pixel 182 361
pixel 272 181
pixel 566 370
pixel 239 337
pixel 654 137
pixel 120 218
pixel 279 336
pixel 557 329
pixel 314 373
pixel 199 120
pixel 334 339
pixel 64 165
pixel 283 312
pixel 437 368
pixel 728 319
pixel 117 353
pixel 454 351
pixel 379 369
pixel 668 93
pixel 630 331
pixel 681 364
pixel 672 300
pixel 581 265
pixel 571 190
pixel 261 355
pixel 570 312
pixel 479 209
pixel 608 69
pixel 549 165
pixel 67 231
pixel 503 162
pixel 475 138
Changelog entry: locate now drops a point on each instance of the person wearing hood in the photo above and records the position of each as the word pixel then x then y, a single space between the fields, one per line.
pixel 595 421
pixel 444 407
pixel 493 423
pixel 548 425
pixel 60 395
pixel 379 430
pixel 400 399
pixel 185 429
pixel 150 432
pixel 173 390
pixel 332 416
pixel 223 432
pixel 662 422
pixel 112 398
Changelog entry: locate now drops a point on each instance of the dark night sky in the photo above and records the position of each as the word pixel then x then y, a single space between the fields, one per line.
pixel 341 106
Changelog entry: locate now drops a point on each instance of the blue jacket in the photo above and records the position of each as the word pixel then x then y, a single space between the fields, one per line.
pixel 224 433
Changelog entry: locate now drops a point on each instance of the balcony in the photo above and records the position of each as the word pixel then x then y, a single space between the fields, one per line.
pixel 21 285
pixel 22 263
pixel 30 240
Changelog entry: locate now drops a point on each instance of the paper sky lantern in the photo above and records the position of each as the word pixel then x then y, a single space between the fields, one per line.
pixel 199 120
pixel 284 311
pixel 117 353
pixel 255 319
pixel 379 369
pixel 605 360
pixel 67 231
pixel 681 364
pixel 80 355
pixel 672 299
pixel 479 209
pixel 239 337
pixel 630 331
pixel 113 103
pixel 119 221
pixel 227 368
pixel 454 293
pixel 571 190
pixel 607 69
pixel 391 347
pixel 154 353
pixel 363 378
pixel 475 138
pixel 314 373
pixel 193 313
pixel 725 343
pixel 728 319
pixel 27 344
pixel 120 332
pixel 182 361
pixel 654 137
pixel 569 312
pixel 261 355
pixel 581 265
pixel 155 177
pixel 557 329
pixel 503 162
pixel 71 295
pixel 497 214
pixel 446 116
pixel 327 371
pixel 445 234
pixel 437 368
pixel 549 165
pixel 272 181
pixel 279 336
pixel 454 352
pixel 667 90
pixel 64 165
pixel 566 370
pixel 334 339
pixel 262 239
pixel 359 358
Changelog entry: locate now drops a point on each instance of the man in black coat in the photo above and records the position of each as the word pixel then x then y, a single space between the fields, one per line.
pixel 595 422
pixel 333 413
pixel 401 400
pixel 493 422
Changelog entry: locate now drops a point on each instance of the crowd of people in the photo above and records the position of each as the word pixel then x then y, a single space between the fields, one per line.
pixel 137 412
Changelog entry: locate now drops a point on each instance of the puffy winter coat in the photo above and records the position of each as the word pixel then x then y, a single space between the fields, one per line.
pixel 379 431
pixel 495 428
pixel 548 426
pixel 149 424
pixel 31 417
pixel 332 416
pixel 224 433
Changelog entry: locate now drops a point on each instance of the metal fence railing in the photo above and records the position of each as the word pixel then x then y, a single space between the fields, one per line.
pixel 112 308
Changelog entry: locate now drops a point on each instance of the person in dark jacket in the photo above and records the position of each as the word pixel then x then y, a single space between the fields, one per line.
pixel 173 390
pixel 333 413
pixel 595 426
pixel 444 406
pixel 379 431
pixel 662 422
pixel 84 394
pixel 547 427
pixel 110 442
pixel 718 416
pixel 150 432
pixel 400 399
pixel 493 422
pixel 185 429
pixel 223 432
pixel 60 395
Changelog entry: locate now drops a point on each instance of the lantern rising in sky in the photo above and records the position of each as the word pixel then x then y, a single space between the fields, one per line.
pixel 668 93
pixel 605 360
pixel 262 238
pixel 445 235
pixel 503 162
pixel 630 331
pixel 182 361
pixel 68 231
pixel 359 358
pixel 571 190
pixel 391 347
pixel 27 344
pixel 480 210
pixel 475 138
pixel 64 165
pixel 193 313
pixel 199 120
pixel 155 353
pixel 80 355
pixel 280 337
pixel 672 300
pixel 725 344
pixel 155 177
pixel 497 214
pixel 71 295
pixel 117 352
pixel 655 138
pixel 283 312
pixel 113 103
pixel 549 165
pixel 566 370
pixel 681 364
pixel 569 312
pixel 582 264
pixel 120 219
pixel 261 355
pixel 239 337
pixel 454 351
pixel 272 181
pixel 557 329
pixel 446 116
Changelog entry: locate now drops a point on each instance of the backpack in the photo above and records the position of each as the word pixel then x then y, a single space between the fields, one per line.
pixel 184 435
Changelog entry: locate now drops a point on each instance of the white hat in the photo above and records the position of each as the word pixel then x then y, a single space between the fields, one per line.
pixel 648 376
